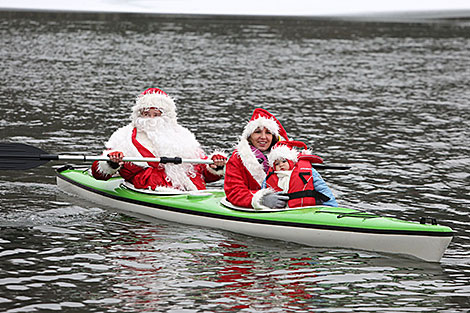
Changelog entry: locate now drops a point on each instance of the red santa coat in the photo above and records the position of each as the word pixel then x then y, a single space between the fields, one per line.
pixel 244 176
pixel 151 174
pixel 152 177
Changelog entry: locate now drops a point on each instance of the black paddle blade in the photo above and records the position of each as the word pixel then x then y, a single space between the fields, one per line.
pixel 330 167
pixel 19 156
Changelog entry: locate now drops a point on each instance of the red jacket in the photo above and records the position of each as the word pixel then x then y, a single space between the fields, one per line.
pixel 154 175
pixel 239 185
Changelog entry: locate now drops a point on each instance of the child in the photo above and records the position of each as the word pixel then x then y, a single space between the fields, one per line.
pixel 292 173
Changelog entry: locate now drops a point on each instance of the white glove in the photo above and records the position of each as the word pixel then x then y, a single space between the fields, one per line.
pixel 275 200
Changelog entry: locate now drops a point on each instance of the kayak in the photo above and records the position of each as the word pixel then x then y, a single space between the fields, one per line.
pixel 317 226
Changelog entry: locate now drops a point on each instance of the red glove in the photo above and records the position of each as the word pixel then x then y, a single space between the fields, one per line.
pixel 216 157
pixel 115 158
pixel 219 161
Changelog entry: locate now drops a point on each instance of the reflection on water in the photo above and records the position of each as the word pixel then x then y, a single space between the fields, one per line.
pixel 388 99
pixel 140 266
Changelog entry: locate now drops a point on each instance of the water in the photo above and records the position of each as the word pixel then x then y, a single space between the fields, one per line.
pixel 389 99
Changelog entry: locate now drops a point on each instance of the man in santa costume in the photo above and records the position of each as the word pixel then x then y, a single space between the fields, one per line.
pixel 154 132
pixel 247 167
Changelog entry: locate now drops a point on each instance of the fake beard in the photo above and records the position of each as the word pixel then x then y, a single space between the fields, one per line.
pixel 168 138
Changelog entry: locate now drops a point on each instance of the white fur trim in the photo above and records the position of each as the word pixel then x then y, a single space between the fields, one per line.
pixel 269 124
pixel 178 174
pixel 213 171
pixel 165 189
pixel 105 168
pixel 256 201
pixel 154 100
pixel 282 152
pixel 283 179
pixel 121 140
pixel 249 161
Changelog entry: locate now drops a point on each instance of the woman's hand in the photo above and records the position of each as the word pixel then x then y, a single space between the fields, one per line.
pixel 275 200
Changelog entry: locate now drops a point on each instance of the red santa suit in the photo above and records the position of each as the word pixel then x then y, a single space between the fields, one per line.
pixel 244 174
pixel 157 137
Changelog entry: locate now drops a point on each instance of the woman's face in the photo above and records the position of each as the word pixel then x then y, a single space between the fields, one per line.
pixel 261 139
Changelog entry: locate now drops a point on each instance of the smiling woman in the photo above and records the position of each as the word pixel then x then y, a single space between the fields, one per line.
pixel 247 167
pixel 261 139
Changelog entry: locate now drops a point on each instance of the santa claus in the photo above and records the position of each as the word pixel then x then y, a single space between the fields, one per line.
pixel 154 132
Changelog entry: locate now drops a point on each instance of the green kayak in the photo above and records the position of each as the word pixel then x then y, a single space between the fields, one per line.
pixel 318 226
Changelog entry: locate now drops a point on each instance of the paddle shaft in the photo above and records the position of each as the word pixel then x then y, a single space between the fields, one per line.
pixel 88 158
pixel 175 160
pixel 19 156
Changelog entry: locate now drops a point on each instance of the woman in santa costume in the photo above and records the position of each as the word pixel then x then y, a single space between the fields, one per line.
pixel 247 167
pixel 291 173
pixel 154 132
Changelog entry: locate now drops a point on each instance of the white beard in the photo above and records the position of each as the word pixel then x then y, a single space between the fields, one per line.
pixel 168 138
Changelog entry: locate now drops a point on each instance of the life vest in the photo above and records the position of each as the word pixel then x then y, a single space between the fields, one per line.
pixel 301 188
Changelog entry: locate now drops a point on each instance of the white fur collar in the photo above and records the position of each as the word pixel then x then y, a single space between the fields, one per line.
pixel 121 140
pixel 250 162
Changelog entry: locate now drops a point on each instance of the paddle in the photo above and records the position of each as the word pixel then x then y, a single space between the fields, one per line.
pixel 330 167
pixel 19 156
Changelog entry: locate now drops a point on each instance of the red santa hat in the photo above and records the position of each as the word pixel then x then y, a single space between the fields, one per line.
pixel 262 118
pixel 154 98
pixel 284 150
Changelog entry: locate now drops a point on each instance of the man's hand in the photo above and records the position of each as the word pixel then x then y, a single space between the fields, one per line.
pixel 115 159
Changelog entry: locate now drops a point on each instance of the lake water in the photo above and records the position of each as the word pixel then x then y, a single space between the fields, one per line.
pixel 392 100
